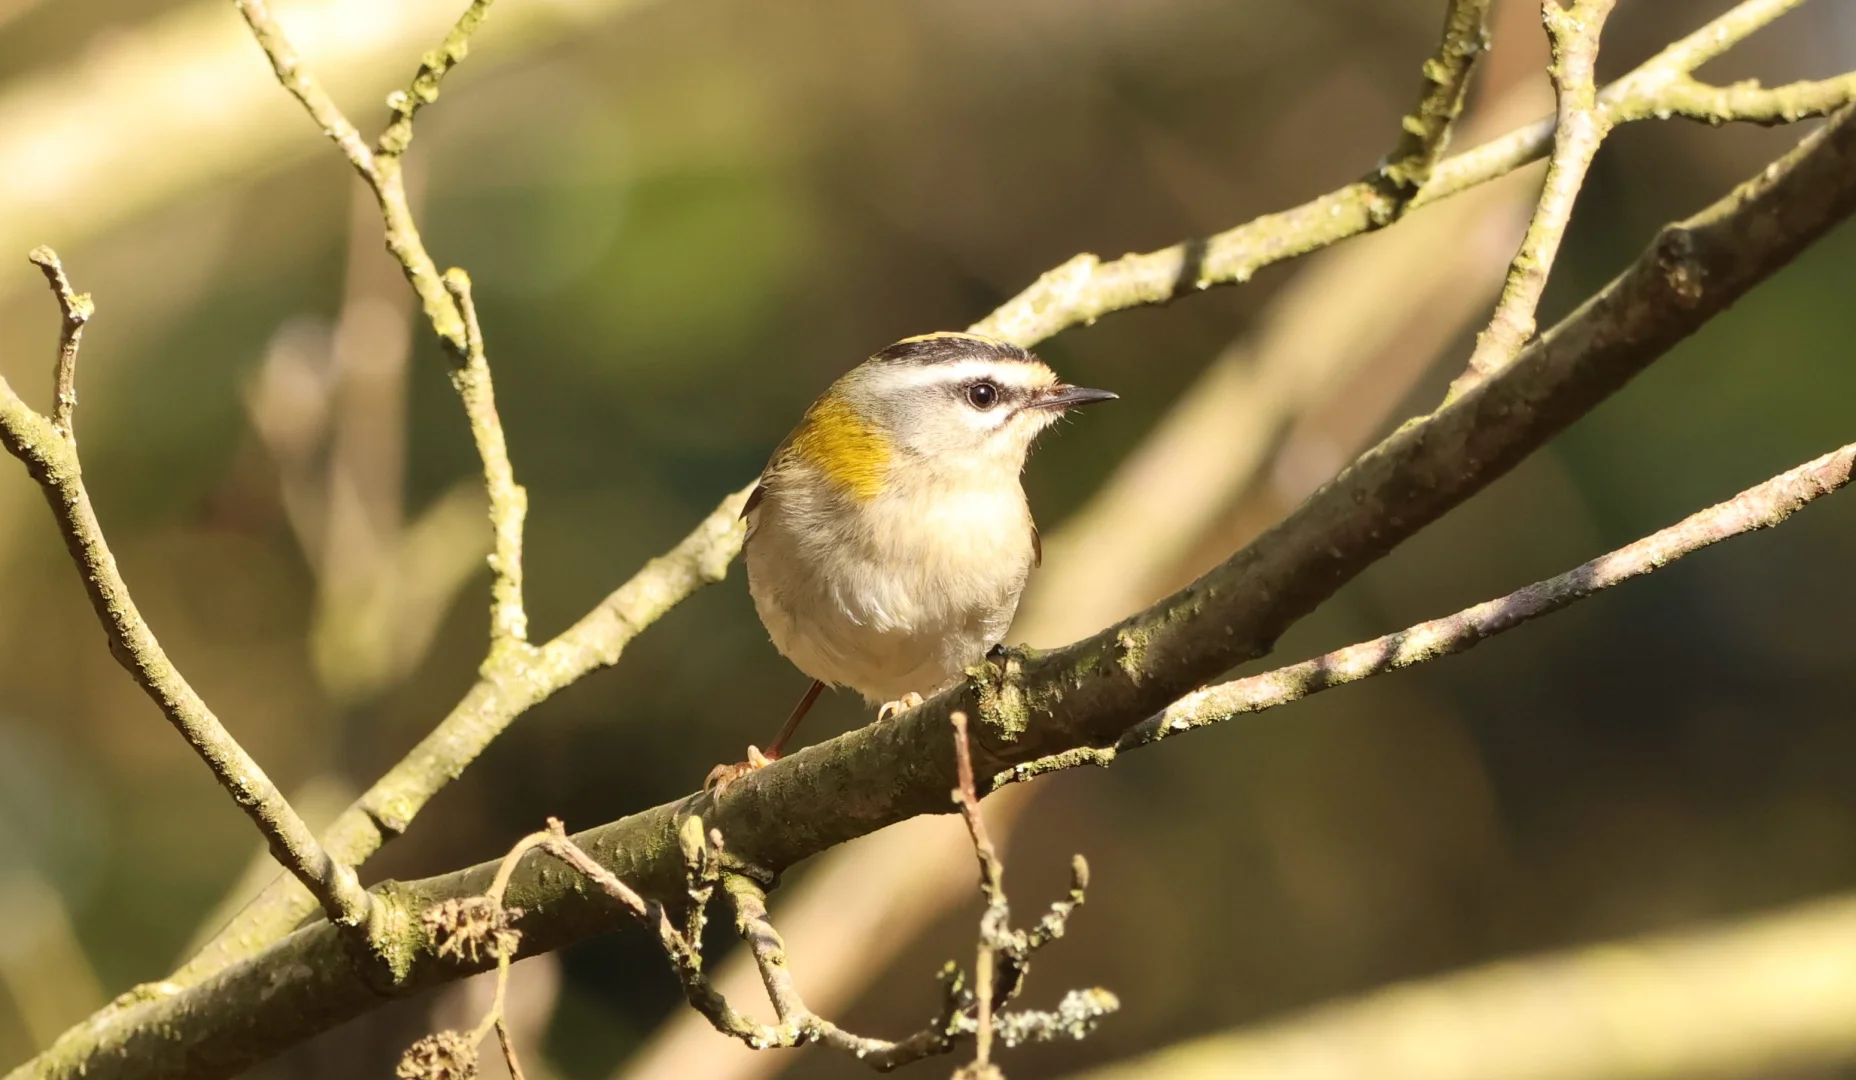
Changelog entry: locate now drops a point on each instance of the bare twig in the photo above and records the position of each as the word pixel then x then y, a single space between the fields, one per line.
pixel 494 1020
pixel 992 869
pixel 384 812
pixel 509 669
pixel 1446 80
pixel 503 1036
pixel 1749 102
pixel 938 1036
pixel 855 910
pixel 77 308
pixel 684 953
pixel 49 452
pixel 1659 88
pixel 799 1025
pixel 466 928
pixel 508 499
pixel 1759 507
pixel 123 105
pixel 89 130
pixel 992 885
pixel 1355 313
pixel 1004 953
pixel 382 172
pixel 1725 32
pixel 424 87
pixel 1573 33
pixel 304 86
pixel 471 928
pixel 507 687
pixel 1085 288
pixel 446 298
pixel 963 1012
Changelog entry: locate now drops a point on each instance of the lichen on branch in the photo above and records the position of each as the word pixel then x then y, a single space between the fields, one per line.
pixel 1426 131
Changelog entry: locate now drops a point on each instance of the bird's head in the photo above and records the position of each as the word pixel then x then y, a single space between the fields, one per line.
pixel 948 404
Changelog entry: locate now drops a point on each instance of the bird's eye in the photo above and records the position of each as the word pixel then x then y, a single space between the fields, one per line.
pixel 982 395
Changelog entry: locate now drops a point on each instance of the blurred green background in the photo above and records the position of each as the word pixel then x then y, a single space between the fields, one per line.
pixel 682 222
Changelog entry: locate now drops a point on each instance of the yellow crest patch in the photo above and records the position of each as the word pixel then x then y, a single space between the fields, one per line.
pixel 851 453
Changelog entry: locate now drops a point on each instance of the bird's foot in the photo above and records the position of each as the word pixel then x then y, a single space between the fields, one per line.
pixel 893 709
pixel 723 775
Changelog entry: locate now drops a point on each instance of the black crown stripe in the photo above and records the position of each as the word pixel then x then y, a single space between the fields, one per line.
pixel 947 347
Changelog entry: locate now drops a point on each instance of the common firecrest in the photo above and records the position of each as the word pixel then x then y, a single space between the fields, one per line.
pixel 889 539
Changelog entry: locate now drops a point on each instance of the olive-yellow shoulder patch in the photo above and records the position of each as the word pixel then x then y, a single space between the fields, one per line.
pixel 835 440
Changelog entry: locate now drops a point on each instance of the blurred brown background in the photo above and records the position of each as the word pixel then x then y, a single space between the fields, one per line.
pixel 683 219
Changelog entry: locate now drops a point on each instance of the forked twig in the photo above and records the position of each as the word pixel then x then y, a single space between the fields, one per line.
pixel 994 922
pixel 76 308
pixel 1086 287
pixel 48 449
pixel 471 928
pixel 1580 126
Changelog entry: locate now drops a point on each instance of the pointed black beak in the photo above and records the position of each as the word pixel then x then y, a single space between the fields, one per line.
pixel 1062 396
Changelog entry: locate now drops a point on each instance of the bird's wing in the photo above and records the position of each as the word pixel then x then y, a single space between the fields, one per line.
pixel 766 484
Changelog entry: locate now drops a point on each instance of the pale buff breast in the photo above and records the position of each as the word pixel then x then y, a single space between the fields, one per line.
pixel 893 595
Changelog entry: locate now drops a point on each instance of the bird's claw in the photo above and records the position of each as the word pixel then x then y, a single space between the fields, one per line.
pixel 723 775
pixel 893 709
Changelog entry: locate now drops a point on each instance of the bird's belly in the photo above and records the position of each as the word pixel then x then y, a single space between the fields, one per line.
pixel 885 623
pixel 882 666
